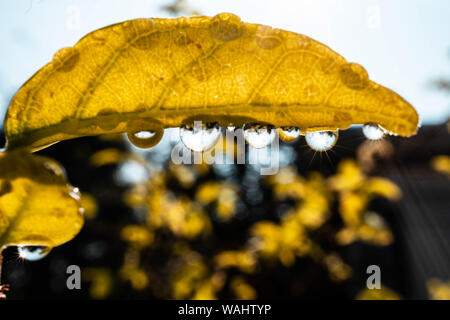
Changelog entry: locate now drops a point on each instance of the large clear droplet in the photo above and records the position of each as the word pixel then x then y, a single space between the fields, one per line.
pixel 33 253
pixel 373 131
pixel 288 134
pixel 200 137
pixel 146 138
pixel 321 140
pixel 259 135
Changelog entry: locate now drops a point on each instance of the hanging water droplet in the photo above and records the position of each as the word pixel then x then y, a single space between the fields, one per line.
pixel 321 140
pixel 373 131
pixel 33 253
pixel 75 193
pixel 145 138
pixel 288 134
pixel 259 135
pixel 200 137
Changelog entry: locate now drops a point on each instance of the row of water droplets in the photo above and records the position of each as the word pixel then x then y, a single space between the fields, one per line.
pixel 202 137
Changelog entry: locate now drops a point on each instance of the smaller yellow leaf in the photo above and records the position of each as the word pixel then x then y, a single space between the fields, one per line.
pixel 37 205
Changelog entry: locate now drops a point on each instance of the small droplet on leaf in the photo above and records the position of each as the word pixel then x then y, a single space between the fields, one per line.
pixel 75 193
pixel 146 138
pixel 321 140
pixel 200 137
pixel 288 134
pixel 258 135
pixel 373 131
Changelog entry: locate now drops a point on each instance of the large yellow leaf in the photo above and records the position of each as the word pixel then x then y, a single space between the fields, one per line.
pixel 150 74
pixel 37 206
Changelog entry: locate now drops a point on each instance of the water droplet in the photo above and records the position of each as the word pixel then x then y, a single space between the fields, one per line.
pixel 373 131
pixel 321 140
pixel 200 137
pixel 288 134
pixel 259 135
pixel 75 193
pixel 145 138
pixel 33 253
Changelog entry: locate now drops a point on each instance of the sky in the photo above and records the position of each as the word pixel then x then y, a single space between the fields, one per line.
pixel 403 44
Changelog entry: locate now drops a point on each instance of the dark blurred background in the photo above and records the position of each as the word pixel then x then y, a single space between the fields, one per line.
pixel 420 224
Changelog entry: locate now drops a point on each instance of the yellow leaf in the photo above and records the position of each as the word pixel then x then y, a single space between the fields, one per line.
pixel 384 293
pixel 37 206
pixel 150 74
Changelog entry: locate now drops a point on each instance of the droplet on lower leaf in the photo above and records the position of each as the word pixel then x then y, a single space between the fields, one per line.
pixel 75 193
pixel 321 140
pixel 33 253
pixel 373 131
pixel 259 135
pixel 288 134
pixel 200 137
pixel 145 138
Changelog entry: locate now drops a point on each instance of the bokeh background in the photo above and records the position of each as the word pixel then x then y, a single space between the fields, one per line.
pixel 155 230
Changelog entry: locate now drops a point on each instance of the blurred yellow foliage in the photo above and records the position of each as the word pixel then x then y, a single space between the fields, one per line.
pixel 287 184
pixel 242 290
pixel 285 241
pixel 181 216
pixel 137 235
pixel 441 164
pixel 89 205
pixel 102 282
pixel 244 260
pixel 223 193
pixel 438 289
pixel 384 293
pixel 198 276
pixel 337 269
pixel 137 277
pixel 355 192
pixel 189 278
pixel 106 157
pixel 185 175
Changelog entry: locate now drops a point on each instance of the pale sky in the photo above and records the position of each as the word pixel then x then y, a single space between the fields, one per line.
pixel 403 44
